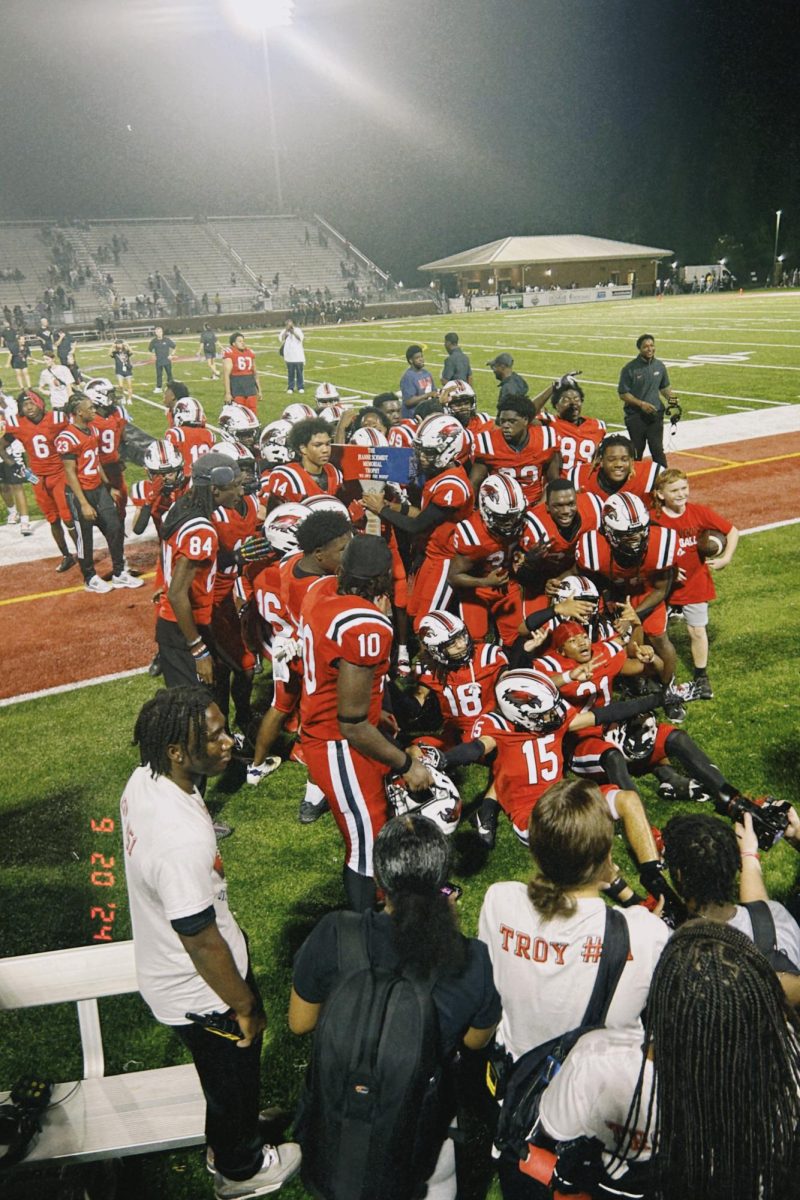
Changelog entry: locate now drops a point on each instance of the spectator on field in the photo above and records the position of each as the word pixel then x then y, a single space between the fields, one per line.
pixel 208 342
pixel 508 381
pixel 162 350
pixel 291 339
pixel 416 381
pixel 122 355
pixel 545 939
pixel 55 381
pixel 456 365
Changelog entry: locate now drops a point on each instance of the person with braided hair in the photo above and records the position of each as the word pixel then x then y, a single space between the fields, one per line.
pixel 615 468
pixel 191 956
pixel 710 1096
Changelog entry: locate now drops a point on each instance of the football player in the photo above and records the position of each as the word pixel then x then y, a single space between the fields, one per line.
pixel 110 420
pixel 548 539
pixel 239 424
pixel 166 482
pixel 461 676
pixel 347 641
pixel 38 430
pixel 239 374
pixel 526 451
pixel 578 437
pixel 401 429
pixel 614 469
pixel 188 432
pixel 312 474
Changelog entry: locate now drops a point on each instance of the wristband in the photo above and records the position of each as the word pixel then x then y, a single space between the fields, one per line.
pixel 196 642
pixel 750 854
pixel 205 654
pixel 200 648
pixel 407 765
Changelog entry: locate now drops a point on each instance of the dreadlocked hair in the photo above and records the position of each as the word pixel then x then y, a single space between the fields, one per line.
pixel 703 853
pixel 197 502
pixel 571 833
pixel 410 857
pixel 174 717
pixel 725 1106
pixel 366 589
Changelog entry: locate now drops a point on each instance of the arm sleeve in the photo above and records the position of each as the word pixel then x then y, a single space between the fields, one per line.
pixel 539 618
pixel 623 710
pixel 465 753
pixel 430 516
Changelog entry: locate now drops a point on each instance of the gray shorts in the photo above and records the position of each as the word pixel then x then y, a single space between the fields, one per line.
pixel 696 614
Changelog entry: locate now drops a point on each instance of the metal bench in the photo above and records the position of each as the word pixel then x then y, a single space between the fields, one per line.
pixel 103 1116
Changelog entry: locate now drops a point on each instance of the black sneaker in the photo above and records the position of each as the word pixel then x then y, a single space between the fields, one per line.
pixel 309 813
pixel 221 830
pixel 704 690
pixel 155 666
pixel 485 822
pixel 676 713
pixel 66 564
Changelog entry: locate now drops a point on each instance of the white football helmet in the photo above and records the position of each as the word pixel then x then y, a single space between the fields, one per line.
pixel 626 523
pixel 281 526
pixel 367 436
pixel 101 392
pixel 272 448
pixel 243 455
pixel 635 738
pixel 439 440
pixel 188 411
pixel 331 413
pixel 501 504
pixel 440 803
pixel 297 412
pixel 459 393
pixel 239 424
pixel 530 701
pixel 438 630
pixel 577 587
pixel 164 459
pixel 325 394
pixel 323 503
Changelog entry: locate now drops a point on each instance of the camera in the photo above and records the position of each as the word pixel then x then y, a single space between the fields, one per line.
pixel 770 816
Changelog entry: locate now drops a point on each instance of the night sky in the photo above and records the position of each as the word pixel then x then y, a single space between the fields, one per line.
pixel 417 127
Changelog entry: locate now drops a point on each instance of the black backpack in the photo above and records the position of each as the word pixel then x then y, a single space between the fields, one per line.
pixel 764 936
pixel 526 1080
pixel 377 1101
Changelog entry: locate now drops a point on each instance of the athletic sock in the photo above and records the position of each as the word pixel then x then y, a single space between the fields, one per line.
pixel 314 795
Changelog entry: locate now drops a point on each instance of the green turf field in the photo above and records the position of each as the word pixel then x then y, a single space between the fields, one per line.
pixel 283 876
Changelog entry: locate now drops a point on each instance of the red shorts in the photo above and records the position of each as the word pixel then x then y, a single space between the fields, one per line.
pixel 590 748
pixel 228 636
pixel 430 589
pixel 504 606
pixel 354 788
pixel 250 402
pixel 51 496
pixel 655 623
pixel 400 581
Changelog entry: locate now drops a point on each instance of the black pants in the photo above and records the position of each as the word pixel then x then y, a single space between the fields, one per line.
pixel 647 429
pixel 109 524
pixel 161 370
pixel 177 662
pixel 231 1083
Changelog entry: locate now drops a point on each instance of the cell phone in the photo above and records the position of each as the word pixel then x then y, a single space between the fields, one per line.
pixel 452 891
pixel 218 1023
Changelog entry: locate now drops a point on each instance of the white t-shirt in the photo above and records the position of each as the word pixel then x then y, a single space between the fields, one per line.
pixel 292 343
pixel 173 869
pixel 787 931
pixel 591 1095
pixel 54 382
pixel 545 970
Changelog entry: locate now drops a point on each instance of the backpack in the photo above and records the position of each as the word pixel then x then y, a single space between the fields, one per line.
pixel 377 1101
pixel 763 923
pixel 527 1078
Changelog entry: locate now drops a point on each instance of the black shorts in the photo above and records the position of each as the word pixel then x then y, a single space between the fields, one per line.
pixel 243 385
pixel 177 662
pixel 11 476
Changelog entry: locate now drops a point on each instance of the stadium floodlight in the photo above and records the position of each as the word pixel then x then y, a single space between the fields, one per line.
pixel 778 215
pixel 254 18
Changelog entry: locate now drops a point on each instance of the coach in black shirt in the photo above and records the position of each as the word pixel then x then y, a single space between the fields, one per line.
pixel 456 365
pixel 644 386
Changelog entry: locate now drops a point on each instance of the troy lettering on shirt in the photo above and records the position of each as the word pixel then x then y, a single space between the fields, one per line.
pixel 638 1136
pixel 536 949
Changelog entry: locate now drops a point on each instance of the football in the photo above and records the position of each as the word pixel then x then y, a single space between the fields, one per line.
pixel 711 543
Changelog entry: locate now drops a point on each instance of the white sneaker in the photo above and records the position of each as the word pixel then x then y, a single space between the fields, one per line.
pixel 157 391
pixel 25 529
pixel 403 661
pixel 302 391
pixel 280 1164
pixel 124 580
pixel 96 584
pixel 256 773
pixel 13 517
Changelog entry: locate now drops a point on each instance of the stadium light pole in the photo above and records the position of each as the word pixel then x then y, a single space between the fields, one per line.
pixel 778 214
pixel 256 19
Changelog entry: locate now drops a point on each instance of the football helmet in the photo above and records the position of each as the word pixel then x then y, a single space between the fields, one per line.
pixel 577 587
pixel 626 524
pixel 297 412
pixel 272 448
pixel 459 394
pixel 367 436
pixel 188 411
pixel 242 455
pixel 530 701
pixel 438 631
pixel 239 424
pixel 101 392
pixel 331 413
pixel 325 394
pixel 163 460
pixel 323 503
pixel 636 738
pixel 440 803
pixel 281 525
pixel 501 504
pixel 439 440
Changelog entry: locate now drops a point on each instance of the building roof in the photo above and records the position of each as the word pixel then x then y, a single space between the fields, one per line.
pixel 565 247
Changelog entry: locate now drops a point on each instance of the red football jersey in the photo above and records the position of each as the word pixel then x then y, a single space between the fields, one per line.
pixel 110 429
pixel 577 442
pixel 402 434
pixel 293 483
pixel 698 587
pixel 294 584
pixel 264 586
pixel 452 490
pixel 196 540
pixel 84 447
pixel 338 628
pixel 540 528
pixel 593 554
pixel 464 694
pixel 526 464
pixel 191 441
pixel 243 362
pixel 232 528
pixel 150 493
pixel 526 764
pixel 641 482
pixel 39 441
pixel 591 692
